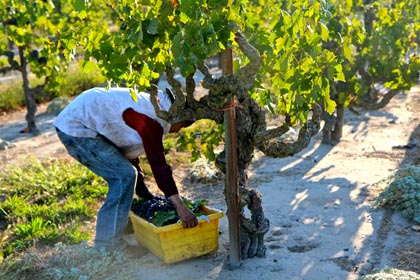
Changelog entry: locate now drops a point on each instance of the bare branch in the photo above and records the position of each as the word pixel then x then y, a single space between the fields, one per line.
pixel 14 65
pixel 179 103
pixel 271 133
pixel 154 99
pixel 247 73
pixel 354 111
pixel 175 84
pixel 382 103
pixel 5 69
pixel 208 80
pixel 278 149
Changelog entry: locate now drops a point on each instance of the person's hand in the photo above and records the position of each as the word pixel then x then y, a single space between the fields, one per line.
pixel 187 217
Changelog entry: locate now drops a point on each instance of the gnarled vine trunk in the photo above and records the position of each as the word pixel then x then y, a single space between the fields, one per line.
pixel 30 93
pixel 251 133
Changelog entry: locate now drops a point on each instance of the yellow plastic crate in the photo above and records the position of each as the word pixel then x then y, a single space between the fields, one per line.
pixel 173 243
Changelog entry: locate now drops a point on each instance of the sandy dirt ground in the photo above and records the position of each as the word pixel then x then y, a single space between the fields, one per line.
pixel 319 202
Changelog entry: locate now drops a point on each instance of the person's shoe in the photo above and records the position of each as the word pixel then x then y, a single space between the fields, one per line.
pixel 117 242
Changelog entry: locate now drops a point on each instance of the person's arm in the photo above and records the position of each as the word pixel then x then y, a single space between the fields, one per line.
pixel 151 134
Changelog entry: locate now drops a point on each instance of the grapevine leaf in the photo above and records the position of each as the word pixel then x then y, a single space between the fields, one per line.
pixel 199 204
pixel 324 31
pixel 152 28
pixel 339 75
pixel 89 66
pixel 161 218
pixel 133 95
pixel 79 5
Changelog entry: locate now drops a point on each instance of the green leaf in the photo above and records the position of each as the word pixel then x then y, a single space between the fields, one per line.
pixel 152 27
pixel 347 52
pixel 89 66
pixel 324 31
pixel 208 151
pixel 199 203
pixel 71 44
pixel 184 18
pixel 339 75
pixel 329 103
pixel 83 14
pixel 189 8
pixel 133 95
pixel 161 218
pixel 79 5
pixel 176 45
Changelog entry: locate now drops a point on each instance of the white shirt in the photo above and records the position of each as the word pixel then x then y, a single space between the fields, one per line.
pixel 99 111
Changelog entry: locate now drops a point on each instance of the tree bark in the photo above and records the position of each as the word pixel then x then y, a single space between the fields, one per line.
pixel 251 133
pixel 339 124
pixel 30 95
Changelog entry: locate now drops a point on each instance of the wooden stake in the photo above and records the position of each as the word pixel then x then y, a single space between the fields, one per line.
pixel 231 177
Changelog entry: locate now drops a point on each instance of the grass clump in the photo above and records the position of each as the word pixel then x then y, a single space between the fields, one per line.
pixel 389 273
pixel 71 262
pixel 12 96
pixel 403 193
pixel 45 203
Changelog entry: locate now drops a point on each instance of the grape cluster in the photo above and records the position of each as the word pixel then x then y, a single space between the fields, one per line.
pixel 147 209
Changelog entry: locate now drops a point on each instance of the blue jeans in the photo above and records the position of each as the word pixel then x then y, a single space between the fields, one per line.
pixel 105 160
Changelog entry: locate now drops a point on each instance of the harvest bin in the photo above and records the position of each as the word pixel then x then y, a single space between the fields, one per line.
pixel 173 243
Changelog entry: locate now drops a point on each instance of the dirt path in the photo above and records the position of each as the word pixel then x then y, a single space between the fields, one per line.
pixel 21 146
pixel 318 202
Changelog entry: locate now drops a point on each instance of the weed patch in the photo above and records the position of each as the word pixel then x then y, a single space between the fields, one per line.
pixel 77 261
pixel 48 202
